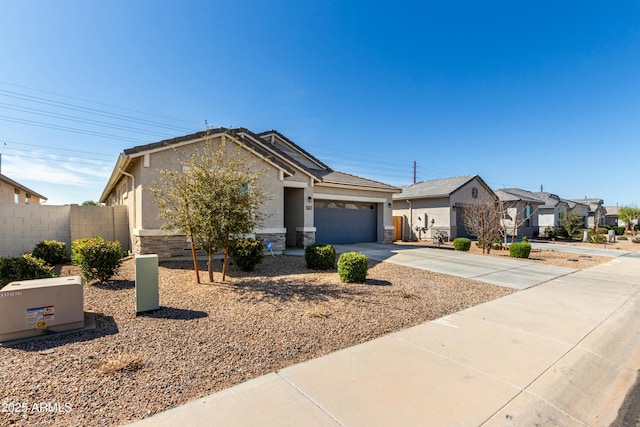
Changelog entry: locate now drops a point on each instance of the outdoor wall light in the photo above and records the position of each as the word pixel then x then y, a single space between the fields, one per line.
pixel 310 199
pixel 389 204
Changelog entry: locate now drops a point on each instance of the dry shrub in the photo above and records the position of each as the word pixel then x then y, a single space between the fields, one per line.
pixel 123 362
pixel 318 314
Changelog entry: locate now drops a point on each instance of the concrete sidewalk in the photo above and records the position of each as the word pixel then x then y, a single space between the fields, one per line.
pixel 562 354
pixel 512 273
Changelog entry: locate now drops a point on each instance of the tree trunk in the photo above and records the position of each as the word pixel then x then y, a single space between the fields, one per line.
pixel 210 266
pixel 226 256
pixel 195 260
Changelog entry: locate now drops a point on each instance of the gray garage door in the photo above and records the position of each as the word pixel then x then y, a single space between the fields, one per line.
pixel 345 222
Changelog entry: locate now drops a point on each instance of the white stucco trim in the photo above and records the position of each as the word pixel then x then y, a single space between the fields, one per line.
pixel 142 232
pixel 389 227
pixel 306 229
pixel 357 187
pixel 295 184
pixel 269 230
pixel 349 198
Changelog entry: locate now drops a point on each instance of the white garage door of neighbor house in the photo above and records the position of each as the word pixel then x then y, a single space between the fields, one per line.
pixel 345 222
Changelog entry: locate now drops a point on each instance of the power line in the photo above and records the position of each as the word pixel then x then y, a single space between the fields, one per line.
pixel 98 103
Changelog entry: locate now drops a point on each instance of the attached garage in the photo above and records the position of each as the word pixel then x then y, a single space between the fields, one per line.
pixel 345 221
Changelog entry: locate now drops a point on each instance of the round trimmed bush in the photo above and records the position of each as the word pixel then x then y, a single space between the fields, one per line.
pixel 320 256
pixel 247 253
pixel 461 244
pixel 623 238
pixel 25 267
pixel 636 240
pixel 51 251
pixel 353 267
pixel 520 250
pixel 619 230
pixel 97 258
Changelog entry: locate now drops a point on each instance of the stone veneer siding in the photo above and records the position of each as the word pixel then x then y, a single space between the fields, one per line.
pixel 388 236
pixel 304 238
pixel 174 246
pixel 164 246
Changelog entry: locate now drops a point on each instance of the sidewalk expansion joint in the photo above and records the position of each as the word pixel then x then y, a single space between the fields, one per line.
pixel 572 348
pixel 310 399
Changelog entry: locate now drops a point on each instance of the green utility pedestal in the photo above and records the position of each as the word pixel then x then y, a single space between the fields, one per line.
pixel 147 295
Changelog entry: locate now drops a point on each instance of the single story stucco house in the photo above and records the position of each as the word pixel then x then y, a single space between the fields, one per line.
pixel 13 192
pixel 436 206
pixel 520 213
pixel 596 212
pixel 309 202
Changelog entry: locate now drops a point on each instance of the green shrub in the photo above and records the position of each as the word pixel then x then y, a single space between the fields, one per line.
pixel 598 238
pixel 25 267
pixel 320 256
pixel 619 230
pixel 51 251
pixel 623 238
pixel 353 267
pixel 247 253
pixel 461 244
pixel 520 250
pixel 636 227
pixel 525 239
pixel 97 258
pixel 636 240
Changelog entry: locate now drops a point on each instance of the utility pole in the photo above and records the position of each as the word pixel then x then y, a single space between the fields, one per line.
pixel 1 150
pixel 414 171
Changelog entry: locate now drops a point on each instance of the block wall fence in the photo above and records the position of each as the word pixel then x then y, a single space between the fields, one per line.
pixel 23 226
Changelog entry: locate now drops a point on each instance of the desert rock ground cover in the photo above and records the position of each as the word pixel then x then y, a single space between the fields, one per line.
pixel 208 337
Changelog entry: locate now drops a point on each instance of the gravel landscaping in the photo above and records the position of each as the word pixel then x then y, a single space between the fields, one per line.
pixel 209 337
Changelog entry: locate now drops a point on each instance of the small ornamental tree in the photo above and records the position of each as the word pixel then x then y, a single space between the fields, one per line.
pixel 214 196
pixel 482 217
pixel 629 214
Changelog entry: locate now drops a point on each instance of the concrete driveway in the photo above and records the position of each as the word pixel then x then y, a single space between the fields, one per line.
pixel 600 250
pixel 498 271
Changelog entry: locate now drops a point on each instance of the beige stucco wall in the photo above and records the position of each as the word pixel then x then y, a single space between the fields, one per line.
pixel 516 212
pixel 8 194
pixel 149 177
pixel 437 210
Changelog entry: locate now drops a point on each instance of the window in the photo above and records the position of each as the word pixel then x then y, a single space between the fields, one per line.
pixel 16 197
pixel 474 192
pixel 527 216
pixel 27 198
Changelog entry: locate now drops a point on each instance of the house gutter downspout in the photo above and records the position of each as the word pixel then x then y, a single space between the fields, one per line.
pixel 133 190
pixel 410 218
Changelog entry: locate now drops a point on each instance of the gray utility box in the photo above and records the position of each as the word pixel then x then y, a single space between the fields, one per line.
pixel 33 307
pixel 147 294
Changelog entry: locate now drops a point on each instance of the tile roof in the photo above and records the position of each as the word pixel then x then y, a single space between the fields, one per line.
pixel 433 188
pixel 506 196
pixel 337 177
pixel 261 145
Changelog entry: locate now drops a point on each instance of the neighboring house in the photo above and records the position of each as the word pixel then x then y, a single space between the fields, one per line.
pixel 611 216
pixel 16 193
pixel 437 205
pixel 597 213
pixel 309 202
pixel 579 208
pixel 552 210
pixel 520 213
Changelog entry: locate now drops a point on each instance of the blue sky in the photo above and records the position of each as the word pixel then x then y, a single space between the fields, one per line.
pixel 522 93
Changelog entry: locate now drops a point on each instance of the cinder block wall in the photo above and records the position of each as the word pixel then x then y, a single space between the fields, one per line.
pixel 23 226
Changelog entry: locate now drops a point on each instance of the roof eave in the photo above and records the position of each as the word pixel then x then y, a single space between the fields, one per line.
pixel 121 164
